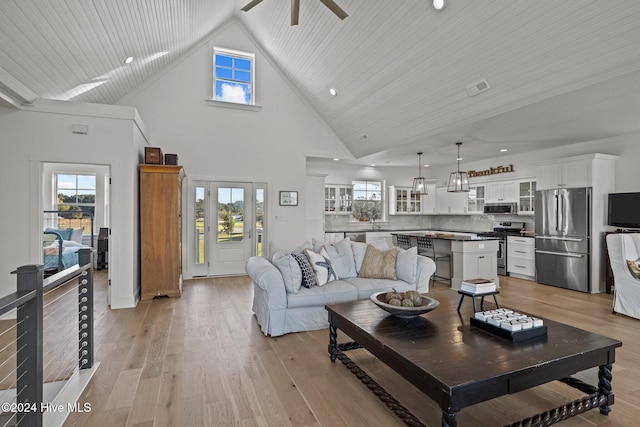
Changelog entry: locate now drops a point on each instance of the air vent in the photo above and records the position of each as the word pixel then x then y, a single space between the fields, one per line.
pixel 478 87
pixel 80 129
pixel 364 137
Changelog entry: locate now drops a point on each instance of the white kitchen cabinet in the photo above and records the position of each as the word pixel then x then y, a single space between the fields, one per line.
pixel 502 192
pixel 338 198
pixel 451 203
pixel 401 201
pixel 473 259
pixel 527 198
pixel 565 174
pixel 521 257
pixel 429 202
pixel 476 198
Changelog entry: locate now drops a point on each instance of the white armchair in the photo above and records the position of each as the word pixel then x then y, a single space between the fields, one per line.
pixel 623 247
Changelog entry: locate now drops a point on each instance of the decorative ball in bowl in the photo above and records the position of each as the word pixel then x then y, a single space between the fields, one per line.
pixel 404 304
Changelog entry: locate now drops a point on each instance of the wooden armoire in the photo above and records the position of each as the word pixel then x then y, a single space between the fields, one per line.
pixel 161 230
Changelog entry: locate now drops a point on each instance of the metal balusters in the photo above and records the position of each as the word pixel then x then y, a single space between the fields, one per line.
pixel 85 310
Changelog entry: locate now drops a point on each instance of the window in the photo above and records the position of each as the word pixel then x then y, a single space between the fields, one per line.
pixel 367 200
pixel 233 76
pixel 76 194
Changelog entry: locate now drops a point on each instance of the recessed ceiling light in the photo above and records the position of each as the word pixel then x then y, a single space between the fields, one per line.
pixel 336 159
pixel 426 166
pixel 129 60
pixel 438 4
pixel 503 150
pixel 373 164
pixel 333 92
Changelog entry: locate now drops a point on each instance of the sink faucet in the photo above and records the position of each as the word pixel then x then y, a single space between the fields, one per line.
pixel 374 225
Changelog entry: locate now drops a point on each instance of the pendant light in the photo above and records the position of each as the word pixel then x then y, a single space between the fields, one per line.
pixel 419 184
pixel 458 181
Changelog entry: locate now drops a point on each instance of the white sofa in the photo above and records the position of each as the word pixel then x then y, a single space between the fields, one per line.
pixel 623 247
pixel 280 309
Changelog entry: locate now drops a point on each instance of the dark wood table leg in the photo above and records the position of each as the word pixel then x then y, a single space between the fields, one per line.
pixel 473 298
pixel 604 387
pixel 481 303
pixel 495 300
pixel 449 419
pixel 460 303
pixel 333 342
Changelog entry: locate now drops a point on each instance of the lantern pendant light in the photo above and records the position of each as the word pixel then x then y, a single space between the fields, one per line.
pixel 419 184
pixel 458 181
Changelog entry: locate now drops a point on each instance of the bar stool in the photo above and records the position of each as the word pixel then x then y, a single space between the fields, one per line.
pixel 427 248
pixel 403 241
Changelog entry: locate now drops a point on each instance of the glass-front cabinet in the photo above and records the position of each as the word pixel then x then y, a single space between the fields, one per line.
pixel 475 201
pixel 401 201
pixel 526 201
pixel 338 198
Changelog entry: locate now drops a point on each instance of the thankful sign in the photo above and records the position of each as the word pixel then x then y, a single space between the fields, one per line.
pixel 491 171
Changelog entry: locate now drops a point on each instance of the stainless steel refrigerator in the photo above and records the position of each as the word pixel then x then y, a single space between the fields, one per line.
pixel 563 244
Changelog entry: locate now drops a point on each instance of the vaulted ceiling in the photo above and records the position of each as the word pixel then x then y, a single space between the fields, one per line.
pixel 558 71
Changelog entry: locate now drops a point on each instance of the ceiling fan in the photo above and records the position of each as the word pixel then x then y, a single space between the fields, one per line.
pixel 295 9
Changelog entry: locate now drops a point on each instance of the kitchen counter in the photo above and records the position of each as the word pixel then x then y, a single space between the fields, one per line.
pixel 445 236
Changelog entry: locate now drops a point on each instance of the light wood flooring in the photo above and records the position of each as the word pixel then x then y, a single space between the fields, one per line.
pixel 201 360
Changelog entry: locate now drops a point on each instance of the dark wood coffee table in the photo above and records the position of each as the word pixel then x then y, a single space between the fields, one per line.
pixel 458 365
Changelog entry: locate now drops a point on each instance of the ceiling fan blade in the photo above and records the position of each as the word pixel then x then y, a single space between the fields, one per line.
pixel 295 11
pixel 335 8
pixel 250 5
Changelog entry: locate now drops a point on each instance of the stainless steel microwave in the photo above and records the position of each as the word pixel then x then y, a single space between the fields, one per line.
pixel 501 208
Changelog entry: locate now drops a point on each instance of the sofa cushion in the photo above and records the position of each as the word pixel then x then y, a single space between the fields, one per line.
pixel 367 287
pixel 290 270
pixel 332 293
pixel 341 256
pixel 379 264
pixel 321 265
pixel 406 264
pixel 308 275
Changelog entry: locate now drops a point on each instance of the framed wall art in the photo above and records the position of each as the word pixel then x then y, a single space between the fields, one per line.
pixel 288 198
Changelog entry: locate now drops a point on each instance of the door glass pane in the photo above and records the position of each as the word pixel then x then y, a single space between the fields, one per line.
pixel 199 231
pixel 230 214
pixel 259 227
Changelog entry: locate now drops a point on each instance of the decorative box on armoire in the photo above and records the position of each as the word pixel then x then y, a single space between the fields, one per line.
pixel 161 230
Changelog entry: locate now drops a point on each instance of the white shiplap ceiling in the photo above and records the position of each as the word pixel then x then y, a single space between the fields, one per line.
pixel 559 71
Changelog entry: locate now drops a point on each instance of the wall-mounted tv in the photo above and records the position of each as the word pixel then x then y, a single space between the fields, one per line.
pixel 624 210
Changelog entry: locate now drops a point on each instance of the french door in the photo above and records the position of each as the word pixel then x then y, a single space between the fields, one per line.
pixel 226 226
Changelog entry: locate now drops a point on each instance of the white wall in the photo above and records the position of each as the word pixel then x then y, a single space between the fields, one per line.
pixel 232 144
pixel 42 133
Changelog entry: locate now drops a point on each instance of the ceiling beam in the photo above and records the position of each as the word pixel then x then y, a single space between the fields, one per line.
pixel 14 92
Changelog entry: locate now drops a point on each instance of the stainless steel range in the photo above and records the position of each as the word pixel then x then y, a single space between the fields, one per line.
pixel 501 230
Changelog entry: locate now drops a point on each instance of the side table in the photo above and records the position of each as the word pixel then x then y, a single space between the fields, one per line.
pixel 473 298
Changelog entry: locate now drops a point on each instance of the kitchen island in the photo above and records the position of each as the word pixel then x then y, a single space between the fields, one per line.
pixel 472 256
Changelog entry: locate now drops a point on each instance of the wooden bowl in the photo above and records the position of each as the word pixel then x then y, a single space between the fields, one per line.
pixel 427 305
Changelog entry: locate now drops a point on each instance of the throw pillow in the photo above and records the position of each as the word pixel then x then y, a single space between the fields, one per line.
pixel 379 264
pixel 406 264
pixel 308 276
pixel 321 265
pixel 290 270
pixel 76 234
pixel 341 256
pixel 360 249
pixel 634 268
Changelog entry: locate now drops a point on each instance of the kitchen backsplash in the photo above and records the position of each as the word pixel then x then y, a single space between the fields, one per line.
pixel 472 223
